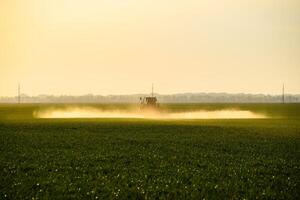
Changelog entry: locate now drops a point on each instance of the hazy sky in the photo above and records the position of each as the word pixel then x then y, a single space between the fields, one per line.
pixel 122 46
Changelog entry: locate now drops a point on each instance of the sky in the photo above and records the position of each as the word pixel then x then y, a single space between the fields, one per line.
pixel 75 47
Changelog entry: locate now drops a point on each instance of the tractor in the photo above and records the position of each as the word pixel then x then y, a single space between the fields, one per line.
pixel 149 102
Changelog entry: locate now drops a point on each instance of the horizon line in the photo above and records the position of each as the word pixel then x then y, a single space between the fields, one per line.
pixel 160 94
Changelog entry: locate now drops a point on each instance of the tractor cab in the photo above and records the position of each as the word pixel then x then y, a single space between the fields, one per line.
pixel 148 102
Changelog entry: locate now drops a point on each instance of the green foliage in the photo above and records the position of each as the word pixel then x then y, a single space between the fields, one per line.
pixel 149 159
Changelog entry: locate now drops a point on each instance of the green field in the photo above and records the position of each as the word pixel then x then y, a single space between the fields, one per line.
pixel 150 159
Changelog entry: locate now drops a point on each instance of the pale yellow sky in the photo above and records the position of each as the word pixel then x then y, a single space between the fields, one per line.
pixel 122 46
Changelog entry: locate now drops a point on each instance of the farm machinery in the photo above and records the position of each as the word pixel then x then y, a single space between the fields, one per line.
pixel 149 102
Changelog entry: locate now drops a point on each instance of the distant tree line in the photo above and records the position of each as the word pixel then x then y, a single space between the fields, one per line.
pixel 172 98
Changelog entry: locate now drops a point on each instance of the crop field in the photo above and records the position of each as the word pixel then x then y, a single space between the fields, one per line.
pixel 133 158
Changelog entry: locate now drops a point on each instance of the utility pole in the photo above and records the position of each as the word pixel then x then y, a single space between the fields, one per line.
pixel 152 90
pixel 283 94
pixel 19 93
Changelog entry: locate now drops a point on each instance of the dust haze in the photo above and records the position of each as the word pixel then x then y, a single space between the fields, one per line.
pixel 89 112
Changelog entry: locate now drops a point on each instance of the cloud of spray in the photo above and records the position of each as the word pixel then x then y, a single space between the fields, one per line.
pixel 88 112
